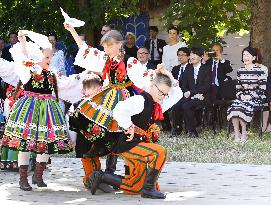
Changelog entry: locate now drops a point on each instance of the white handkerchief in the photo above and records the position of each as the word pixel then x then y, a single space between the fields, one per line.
pixel 72 21
pixel 41 40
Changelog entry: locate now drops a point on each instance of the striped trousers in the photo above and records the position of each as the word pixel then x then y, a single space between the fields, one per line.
pixel 139 159
pixel 89 165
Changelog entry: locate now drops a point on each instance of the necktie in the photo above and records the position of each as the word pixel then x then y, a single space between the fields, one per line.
pixel 152 51
pixel 214 72
pixel 180 73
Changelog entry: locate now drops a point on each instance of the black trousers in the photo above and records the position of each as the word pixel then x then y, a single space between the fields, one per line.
pixel 189 108
pixel 166 125
pixel 177 114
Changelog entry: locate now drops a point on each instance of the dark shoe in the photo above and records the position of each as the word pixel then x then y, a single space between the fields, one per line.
pixel 37 176
pixel 193 134
pixel 24 185
pixel 175 132
pixel 98 177
pixel 149 189
pixel 105 188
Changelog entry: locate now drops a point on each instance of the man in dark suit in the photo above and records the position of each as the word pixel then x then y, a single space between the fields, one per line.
pixel 196 88
pixel 155 46
pixel 220 68
pixel 13 38
pixel 183 54
pixel 143 57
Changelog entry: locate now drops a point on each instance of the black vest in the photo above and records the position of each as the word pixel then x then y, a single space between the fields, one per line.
pixel 142 120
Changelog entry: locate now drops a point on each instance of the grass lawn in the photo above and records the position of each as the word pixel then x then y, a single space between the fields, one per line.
pixel 210 148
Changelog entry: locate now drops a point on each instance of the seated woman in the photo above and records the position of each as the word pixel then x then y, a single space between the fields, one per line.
pixel 251 86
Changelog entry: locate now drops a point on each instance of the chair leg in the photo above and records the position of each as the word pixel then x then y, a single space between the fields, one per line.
pixel 220 118
pixel 214 118
pixel 261 124
pixel 229 129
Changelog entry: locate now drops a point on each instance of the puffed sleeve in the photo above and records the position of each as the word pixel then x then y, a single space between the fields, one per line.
pixel 24 64
pixel 8 73
pixel 139 74
pixel 70 88
pixel 174 95
pixel 90 58
pixel 124 110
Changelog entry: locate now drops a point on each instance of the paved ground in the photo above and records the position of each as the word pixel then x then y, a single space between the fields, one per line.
pixel 184 183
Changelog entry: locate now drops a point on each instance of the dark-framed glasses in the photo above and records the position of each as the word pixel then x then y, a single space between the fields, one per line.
pixel 161 93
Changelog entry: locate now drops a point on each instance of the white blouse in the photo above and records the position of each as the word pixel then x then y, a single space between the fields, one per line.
pixel 170 58
pixel 69 88
pixel 90 58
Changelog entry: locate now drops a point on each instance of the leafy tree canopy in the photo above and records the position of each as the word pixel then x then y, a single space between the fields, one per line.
pixel 203 22
pixel 44 16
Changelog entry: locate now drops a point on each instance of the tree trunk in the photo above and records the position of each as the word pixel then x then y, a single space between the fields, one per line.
pixel 261 29
pixel 87 29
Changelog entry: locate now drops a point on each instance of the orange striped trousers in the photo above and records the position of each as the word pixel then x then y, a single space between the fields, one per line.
pixel 139 159
pixel 89 165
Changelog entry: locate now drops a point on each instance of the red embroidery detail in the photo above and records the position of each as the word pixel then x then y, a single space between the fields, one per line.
pixel 129 65
pixel 135 61
pixel 38 78
pixel 120 77
pixel 14 142
pixel 28 63
pixel 5 141
pixel 95 130
pixel 41 147
pixel 121 68
pixel 145 74
pixel 61 145
pixel 96 52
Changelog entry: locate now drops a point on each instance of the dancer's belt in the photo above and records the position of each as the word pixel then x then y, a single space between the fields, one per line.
pixel 150 135
pixel 38 95
pixel 120 85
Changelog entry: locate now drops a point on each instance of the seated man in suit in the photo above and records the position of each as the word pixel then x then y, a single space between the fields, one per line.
pixel 183 54
pixel 143 57
pixel 219 68
pixel 196 88
pixel 155 46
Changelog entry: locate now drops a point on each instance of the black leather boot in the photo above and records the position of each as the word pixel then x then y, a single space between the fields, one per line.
pixel 98 177
pixel 149 190
pixel 37 176
pixel 24 185
pixel 111 166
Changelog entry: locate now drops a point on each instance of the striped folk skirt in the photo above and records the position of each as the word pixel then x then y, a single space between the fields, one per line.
pixel 98 110
pixel 37 124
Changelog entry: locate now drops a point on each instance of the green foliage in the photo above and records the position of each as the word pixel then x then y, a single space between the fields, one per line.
pixel 44 16
pixel 203 22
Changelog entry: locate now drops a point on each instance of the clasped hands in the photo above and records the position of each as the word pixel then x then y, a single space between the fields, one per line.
pixel 196 96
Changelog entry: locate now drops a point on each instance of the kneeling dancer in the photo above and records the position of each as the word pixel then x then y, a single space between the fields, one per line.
pixel 137 115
